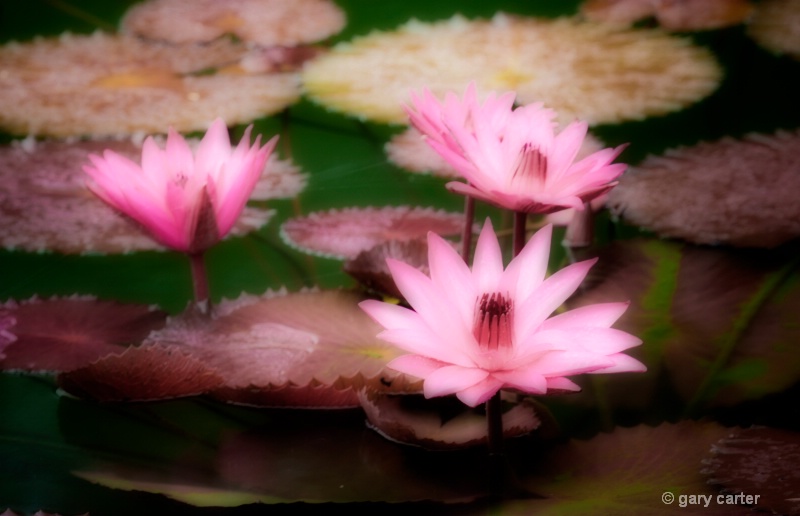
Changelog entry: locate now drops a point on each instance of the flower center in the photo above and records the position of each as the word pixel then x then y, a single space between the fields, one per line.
pixel 493 321
pixel 531 166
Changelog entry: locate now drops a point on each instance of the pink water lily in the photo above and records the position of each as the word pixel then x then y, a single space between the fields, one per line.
pixel 475 331
pixel 513 158
pixel 187 201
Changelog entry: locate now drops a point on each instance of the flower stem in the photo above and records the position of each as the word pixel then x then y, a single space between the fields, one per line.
pixel 494 419
pixel 520 221
pixel 466 235
pixel 199 280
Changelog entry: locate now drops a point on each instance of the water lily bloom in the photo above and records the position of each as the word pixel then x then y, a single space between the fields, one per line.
pixel 513 158
pixel 475 331
pixel 187 201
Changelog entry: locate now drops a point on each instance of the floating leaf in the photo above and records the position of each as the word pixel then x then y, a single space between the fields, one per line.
pixel 109 85
pixel 440 424
pixel 758 461
pixel 347 232
pixel 307 349
pixel 677 15
pixel 263 22
pixel 141 374
pixel 346 351
pixel 370 269
pixel 627 472
pixel 303 457
pixel 60 334
pixel 720 321
pixel 6 337
pixel 739 192
pixel 608 75
pixel 774 26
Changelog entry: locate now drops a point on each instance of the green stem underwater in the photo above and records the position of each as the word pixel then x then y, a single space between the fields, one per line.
pixel 199 280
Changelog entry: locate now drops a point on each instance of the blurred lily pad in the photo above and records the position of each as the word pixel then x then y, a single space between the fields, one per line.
pixel 60 334
pixel 719 323
pixel 758 461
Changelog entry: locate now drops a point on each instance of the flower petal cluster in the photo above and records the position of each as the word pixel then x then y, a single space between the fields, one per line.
pixel 187 201
pixel 475 331
pixel 513 158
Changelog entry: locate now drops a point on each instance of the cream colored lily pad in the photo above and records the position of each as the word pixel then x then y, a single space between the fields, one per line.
pixel 596 72
pixel 112 85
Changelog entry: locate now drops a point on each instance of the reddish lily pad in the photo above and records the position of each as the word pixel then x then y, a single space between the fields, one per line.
pixel 441 424
pixel 346 233
pixel 677 15
pixel 6 337
pixel 737 192
pixel 369 267
pixel 61 334
pixel 758 461
pixel 307 349
pixel 260 22
pixel 141 374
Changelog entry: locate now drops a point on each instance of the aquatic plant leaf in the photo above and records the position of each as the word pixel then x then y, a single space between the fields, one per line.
pixel 774 27
pixel 625 472
pixel 347 232
pixel 758 461
pixel 736 192
pixel 369 267
pixel 305 349
pixel 61 334
pixel 302 456
pixel 264 23
pixel 112 84
pixel 651 72
pixel 718 322
pixel 440 423
pixel 141 374
pixel 342 348
pixel 672 15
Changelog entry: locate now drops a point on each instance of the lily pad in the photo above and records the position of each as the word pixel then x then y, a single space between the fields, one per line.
pixel 758 461
pixel 441 424
pixel 346 233
pixel 307 349
pixel 369 267
pixel 261 22
pixel 737 192
pixel 61 334
pixel 141 374
pixel 718 322
pixel 631 471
